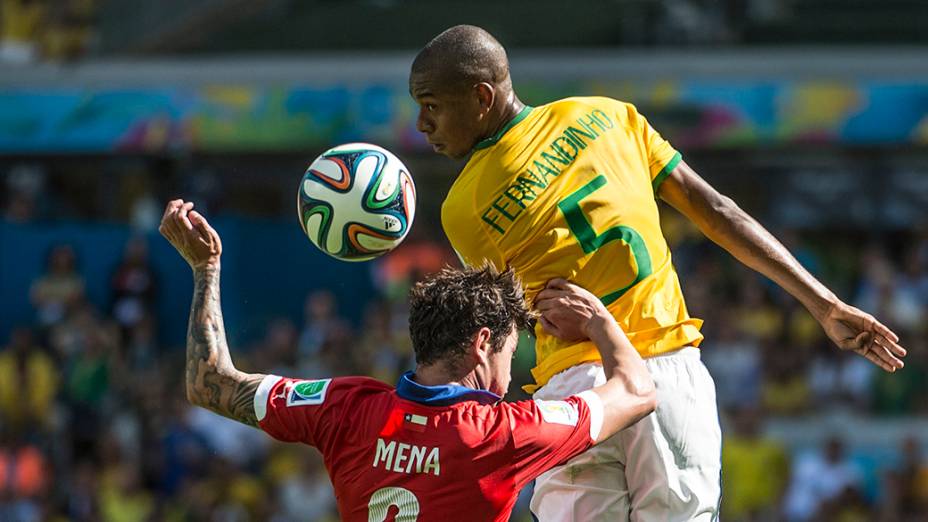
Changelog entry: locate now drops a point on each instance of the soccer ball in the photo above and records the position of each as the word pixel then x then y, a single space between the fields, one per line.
pixel 356 201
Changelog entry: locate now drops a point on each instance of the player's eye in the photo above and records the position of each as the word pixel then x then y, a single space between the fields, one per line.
pixel 430 107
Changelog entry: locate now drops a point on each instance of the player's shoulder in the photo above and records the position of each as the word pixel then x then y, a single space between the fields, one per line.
pixel 319 389
pixel 557 411
pixel 587 103
pixel 623 111
pixel 360 383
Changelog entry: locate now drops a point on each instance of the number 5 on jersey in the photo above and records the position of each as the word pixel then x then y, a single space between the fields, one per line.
pixel 590 241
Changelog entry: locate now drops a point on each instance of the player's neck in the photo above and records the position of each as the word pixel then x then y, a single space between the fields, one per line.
pixel 436 375
pixel 510 109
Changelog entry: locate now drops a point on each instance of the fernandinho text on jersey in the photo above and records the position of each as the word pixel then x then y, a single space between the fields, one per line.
pixel 516 197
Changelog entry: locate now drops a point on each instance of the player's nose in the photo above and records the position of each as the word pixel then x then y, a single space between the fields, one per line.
pixel 423 124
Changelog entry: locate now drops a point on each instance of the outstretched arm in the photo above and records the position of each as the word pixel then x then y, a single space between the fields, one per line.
pixel 212 381
pixel 722 221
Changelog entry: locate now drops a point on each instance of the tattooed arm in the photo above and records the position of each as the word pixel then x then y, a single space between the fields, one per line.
pixel 212 380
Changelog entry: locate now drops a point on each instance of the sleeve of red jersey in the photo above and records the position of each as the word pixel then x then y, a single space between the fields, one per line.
pixel 298 410
pixel 548 433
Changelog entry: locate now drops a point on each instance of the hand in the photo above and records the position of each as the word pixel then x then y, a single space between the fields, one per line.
pixel 854 330
pixel 190 234
pixel 569 312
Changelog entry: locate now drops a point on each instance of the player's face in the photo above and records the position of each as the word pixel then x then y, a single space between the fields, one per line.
pixel 451 121
pixel 501 364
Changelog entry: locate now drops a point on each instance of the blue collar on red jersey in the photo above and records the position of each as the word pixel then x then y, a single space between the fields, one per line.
pixel 442 395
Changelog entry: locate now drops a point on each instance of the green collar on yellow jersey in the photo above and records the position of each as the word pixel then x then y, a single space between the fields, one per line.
pixel 482 144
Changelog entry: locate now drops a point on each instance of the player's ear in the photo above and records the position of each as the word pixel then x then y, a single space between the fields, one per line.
pixel 486 95
pixel 481 346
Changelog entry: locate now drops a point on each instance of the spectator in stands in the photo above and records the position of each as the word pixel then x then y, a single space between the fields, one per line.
pixel 278 350
pixel 20 208
pixel 785 389
pixel 134 286
pixel 838 381
pixel 24 184
pixel 140 348
pixel 879 291
pixel 908 393
pixel 23 477
pixel 304 490
pixel 906 498
pixel 913 279
pixel 848 506
pixel 58 288
pixel 320 322
pixel 756 470
pixel 69 31
pixel 88 376
pixel 28 382
pixel 379 352
pixel 237 443
pixel 759 317
pixel 122 497
pixel 82 486
pixel 819 479
pixel 21 22
pixel 735 364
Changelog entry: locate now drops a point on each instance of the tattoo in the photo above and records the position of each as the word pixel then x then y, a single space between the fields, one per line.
pixel 212 380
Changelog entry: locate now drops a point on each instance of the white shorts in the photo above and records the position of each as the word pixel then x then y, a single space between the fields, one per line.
pixel 666 467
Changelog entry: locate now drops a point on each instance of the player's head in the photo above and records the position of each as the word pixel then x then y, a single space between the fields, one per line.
pixel 460 80
pixel 468 321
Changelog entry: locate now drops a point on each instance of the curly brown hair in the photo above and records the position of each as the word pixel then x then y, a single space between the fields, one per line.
pixel 451 306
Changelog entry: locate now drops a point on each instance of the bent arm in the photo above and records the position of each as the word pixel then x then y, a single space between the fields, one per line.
pixel 628 394
pixel 572 313
pixel 722 221
pixel 212 380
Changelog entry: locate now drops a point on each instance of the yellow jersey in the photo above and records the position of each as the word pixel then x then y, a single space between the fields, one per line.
pixel 568 190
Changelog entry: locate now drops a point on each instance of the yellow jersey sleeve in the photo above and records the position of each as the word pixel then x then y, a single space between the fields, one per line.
pixel 662 157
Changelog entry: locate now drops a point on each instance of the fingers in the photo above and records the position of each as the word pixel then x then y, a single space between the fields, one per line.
pixel 558 283
pixel 870 346
pixel 882 342
pixel 551 303
pixel 206 232
pixel 890 345
pixel 200 223
pixel 549 326
pixel 166 219
pixel 170 207
pixel 886 355
pixel 875 359
pixel 884 331
pixel 180 215
pixel 175 219
pixel 549 293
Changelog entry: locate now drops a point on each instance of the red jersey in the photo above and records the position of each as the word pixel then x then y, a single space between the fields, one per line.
pixel 425 452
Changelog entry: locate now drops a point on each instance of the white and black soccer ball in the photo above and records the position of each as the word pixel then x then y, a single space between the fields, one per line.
pixel 356 201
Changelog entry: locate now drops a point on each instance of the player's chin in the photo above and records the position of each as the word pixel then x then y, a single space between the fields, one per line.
pixel 449 152
pixel 460 155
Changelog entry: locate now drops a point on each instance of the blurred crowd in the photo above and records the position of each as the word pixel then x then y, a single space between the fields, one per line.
pixel 47 30
pixel 94 424
pixel 773 364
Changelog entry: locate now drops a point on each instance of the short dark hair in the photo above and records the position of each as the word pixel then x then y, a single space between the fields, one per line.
pixel 462 55
pixel 450 307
